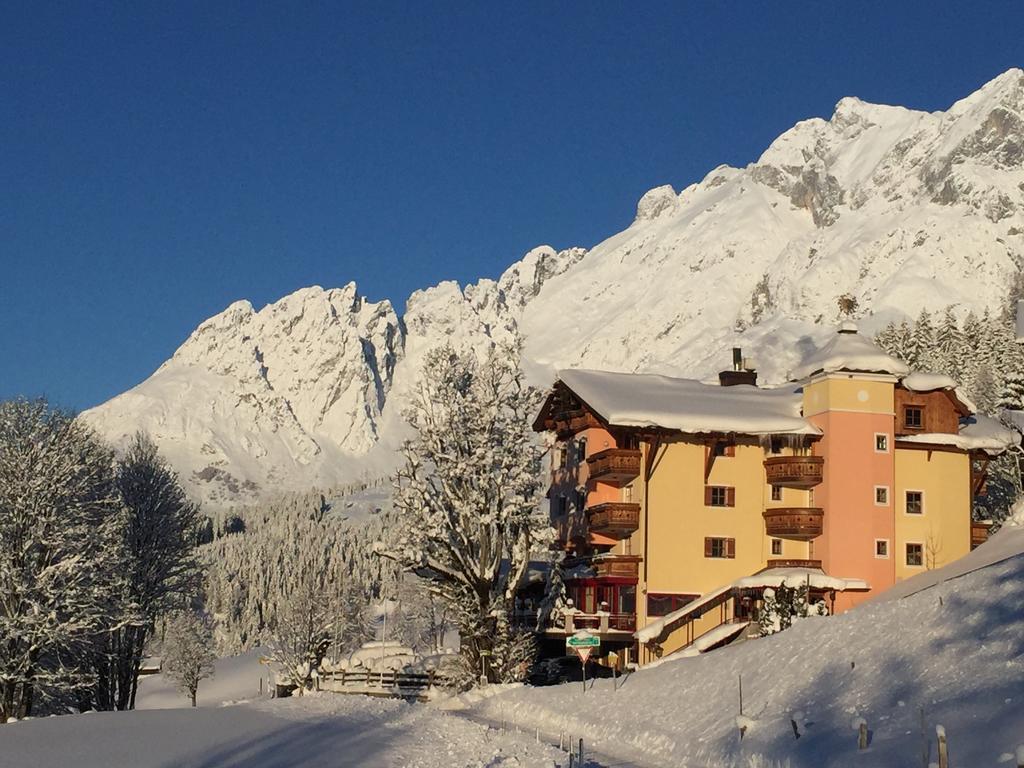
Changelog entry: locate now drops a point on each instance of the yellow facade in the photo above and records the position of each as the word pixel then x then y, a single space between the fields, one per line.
pixel 674 559
pixel 942 529
pixel 856 393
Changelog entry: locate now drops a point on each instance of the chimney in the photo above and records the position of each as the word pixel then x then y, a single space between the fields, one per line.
pixel 739 374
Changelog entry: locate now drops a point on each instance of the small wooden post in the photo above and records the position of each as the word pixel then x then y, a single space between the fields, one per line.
pixel 261 686
pixel 581 752
pixel 925 751
pixel 943 747
pixel 796 729
pixel 741 693
pixel 862 735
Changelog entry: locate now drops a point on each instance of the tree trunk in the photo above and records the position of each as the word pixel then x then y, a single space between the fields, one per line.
pixel 192 693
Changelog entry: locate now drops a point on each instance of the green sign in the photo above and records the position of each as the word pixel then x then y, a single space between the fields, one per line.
pixel 583 641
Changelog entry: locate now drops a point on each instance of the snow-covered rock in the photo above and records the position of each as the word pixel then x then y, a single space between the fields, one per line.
pixel 895 208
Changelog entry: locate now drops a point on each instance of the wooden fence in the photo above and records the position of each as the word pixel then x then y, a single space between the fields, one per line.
pixel 402 685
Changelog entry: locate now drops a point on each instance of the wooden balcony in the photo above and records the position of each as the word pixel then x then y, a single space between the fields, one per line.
pixel 621 566
pixel 794 471
pixel 617 519
pixel 979 532
pixel 797 523
pixel 568 423
pixel 614 465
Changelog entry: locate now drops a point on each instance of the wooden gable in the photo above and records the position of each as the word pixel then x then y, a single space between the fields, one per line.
pixel 940 412
pixel 564 413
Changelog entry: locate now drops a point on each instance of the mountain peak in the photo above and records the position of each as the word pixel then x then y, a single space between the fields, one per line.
pixel 900 209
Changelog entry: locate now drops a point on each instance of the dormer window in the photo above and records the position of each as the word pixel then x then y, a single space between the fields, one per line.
pixel 913 417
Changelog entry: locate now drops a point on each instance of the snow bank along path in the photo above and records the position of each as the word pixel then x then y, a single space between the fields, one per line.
pixel 953 646
pixel 326 731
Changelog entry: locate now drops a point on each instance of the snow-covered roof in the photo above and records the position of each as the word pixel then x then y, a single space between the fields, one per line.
pixel 648 400
pixel 977 433
pixel 849 351
pixel 919 381
pixel 773 577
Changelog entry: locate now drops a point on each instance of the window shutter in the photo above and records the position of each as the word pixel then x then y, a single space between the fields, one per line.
pixel 730 497
pixel 707 495
pixel 707 547
pixel 730 548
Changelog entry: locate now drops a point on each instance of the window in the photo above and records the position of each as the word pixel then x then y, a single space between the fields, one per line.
pixel 662 604
pixel 881 442
pixel 915 503
pixel 913 417
pixel 882 549
pixel 724 448
pixel 776 493
pixel 581 500
pixel 560 456
pixel 776 546
pixel 719 496
pixel 559 504
pixel 627 599
pixel 915 554
pixel 581 450
pixel 719 548
pixel 881 495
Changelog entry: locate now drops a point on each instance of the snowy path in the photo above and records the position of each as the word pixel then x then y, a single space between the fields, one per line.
pixel 592 758
pixel 313 732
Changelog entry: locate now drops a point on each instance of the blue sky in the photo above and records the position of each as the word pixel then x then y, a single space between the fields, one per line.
pixel 160 160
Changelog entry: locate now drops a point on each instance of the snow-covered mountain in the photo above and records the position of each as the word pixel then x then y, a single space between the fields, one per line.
pixel 898 208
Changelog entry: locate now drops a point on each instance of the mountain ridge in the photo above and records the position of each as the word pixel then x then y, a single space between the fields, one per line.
pixel 900 209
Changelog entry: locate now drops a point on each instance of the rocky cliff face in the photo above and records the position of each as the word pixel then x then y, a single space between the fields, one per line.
pixel 900 209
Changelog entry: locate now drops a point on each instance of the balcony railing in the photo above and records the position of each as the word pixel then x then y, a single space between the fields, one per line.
pixel 622 566
pixel 616 519
pixel 599 623
pixel 799 523
pixel 614 465
pixel 794 471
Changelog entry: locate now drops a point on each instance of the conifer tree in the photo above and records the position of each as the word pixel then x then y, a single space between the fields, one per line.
pixel 949 347
pixel 922 345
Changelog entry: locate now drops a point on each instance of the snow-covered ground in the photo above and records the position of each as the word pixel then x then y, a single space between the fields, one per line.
pixel 944 649
pixel 325 731
pixel 236 678
pixel 949 643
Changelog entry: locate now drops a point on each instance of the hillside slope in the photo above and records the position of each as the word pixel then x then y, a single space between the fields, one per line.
pixel 949 642
pixel 898 208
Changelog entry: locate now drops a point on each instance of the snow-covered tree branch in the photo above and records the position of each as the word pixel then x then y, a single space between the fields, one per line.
pixel 468 498
pixel 58 512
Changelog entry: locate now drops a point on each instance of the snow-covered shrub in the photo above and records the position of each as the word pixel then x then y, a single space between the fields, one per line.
pixel 782 606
